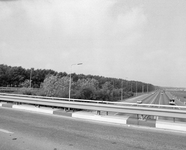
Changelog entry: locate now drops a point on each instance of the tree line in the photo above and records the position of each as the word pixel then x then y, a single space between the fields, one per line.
pixel 52 83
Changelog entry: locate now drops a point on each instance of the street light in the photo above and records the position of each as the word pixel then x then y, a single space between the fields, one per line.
pixel 142 89
pixel 70 77
pixel 122 90
pixel 31 77
pixel 126 83
pixel 136 88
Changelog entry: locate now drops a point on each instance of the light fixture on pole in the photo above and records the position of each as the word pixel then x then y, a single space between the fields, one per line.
pixel 71 79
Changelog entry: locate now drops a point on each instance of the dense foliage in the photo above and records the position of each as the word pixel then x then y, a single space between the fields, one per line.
pixel 52 83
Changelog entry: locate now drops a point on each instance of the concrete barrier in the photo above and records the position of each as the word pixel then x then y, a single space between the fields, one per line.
pixel 62 113
pixel 179 126
pixel 91 116
pixel 8 105
pixel 133 120
pixel 117 119
pixel 33 108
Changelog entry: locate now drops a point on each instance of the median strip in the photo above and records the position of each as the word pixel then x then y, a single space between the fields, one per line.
pixel 179 126
pixel 33 108
pixel 7 105
pixel 102 118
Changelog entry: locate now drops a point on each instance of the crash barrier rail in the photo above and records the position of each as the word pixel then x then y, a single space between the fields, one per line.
pixel 173 113
pixel 79 100
pixel 87 101
pixel 57 98
pixel 9 88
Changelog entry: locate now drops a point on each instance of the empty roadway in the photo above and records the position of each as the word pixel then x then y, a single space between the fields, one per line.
pixel 21 130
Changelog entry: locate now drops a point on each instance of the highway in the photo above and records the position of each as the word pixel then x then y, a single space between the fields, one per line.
pixel 150 98
pixel 160 98
pixel 21 130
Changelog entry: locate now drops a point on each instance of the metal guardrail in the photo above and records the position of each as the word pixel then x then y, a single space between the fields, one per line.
pixel 176 113
pixel 90 101
pixel 53 98
pixel 9 87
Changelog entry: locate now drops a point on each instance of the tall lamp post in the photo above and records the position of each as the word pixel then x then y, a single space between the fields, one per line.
pixel 71 79
pixel 122 90
pixel 142 89
pixel 136 88
pixel 31 77
pixel 126 83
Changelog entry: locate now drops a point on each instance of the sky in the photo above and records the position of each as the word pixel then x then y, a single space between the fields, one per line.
pixel 143 40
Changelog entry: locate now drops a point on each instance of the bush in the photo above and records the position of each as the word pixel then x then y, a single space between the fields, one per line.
pixel 56 87
pixel 40 92
pixel 87 93
pixel 27 91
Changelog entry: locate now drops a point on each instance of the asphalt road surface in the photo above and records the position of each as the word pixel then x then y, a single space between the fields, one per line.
pixel 158 98
pixel 21 130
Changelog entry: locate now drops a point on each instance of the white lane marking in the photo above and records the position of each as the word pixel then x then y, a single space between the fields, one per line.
pixel 159 107
pixel 155 117
pixel 6 131
pixel 154 99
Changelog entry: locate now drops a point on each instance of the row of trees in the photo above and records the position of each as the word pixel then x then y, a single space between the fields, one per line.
pixel 18 76
pixel 86 88
pixel 52 83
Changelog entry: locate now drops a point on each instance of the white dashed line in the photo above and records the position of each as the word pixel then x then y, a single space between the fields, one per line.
pixel 6 131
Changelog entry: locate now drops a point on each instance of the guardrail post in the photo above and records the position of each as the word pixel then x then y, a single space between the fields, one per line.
pixel 142 117
pixel 37 106
pixel 98 112
pixel 107 113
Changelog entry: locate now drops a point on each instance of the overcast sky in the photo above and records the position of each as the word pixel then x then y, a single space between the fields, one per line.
pixel 142 40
